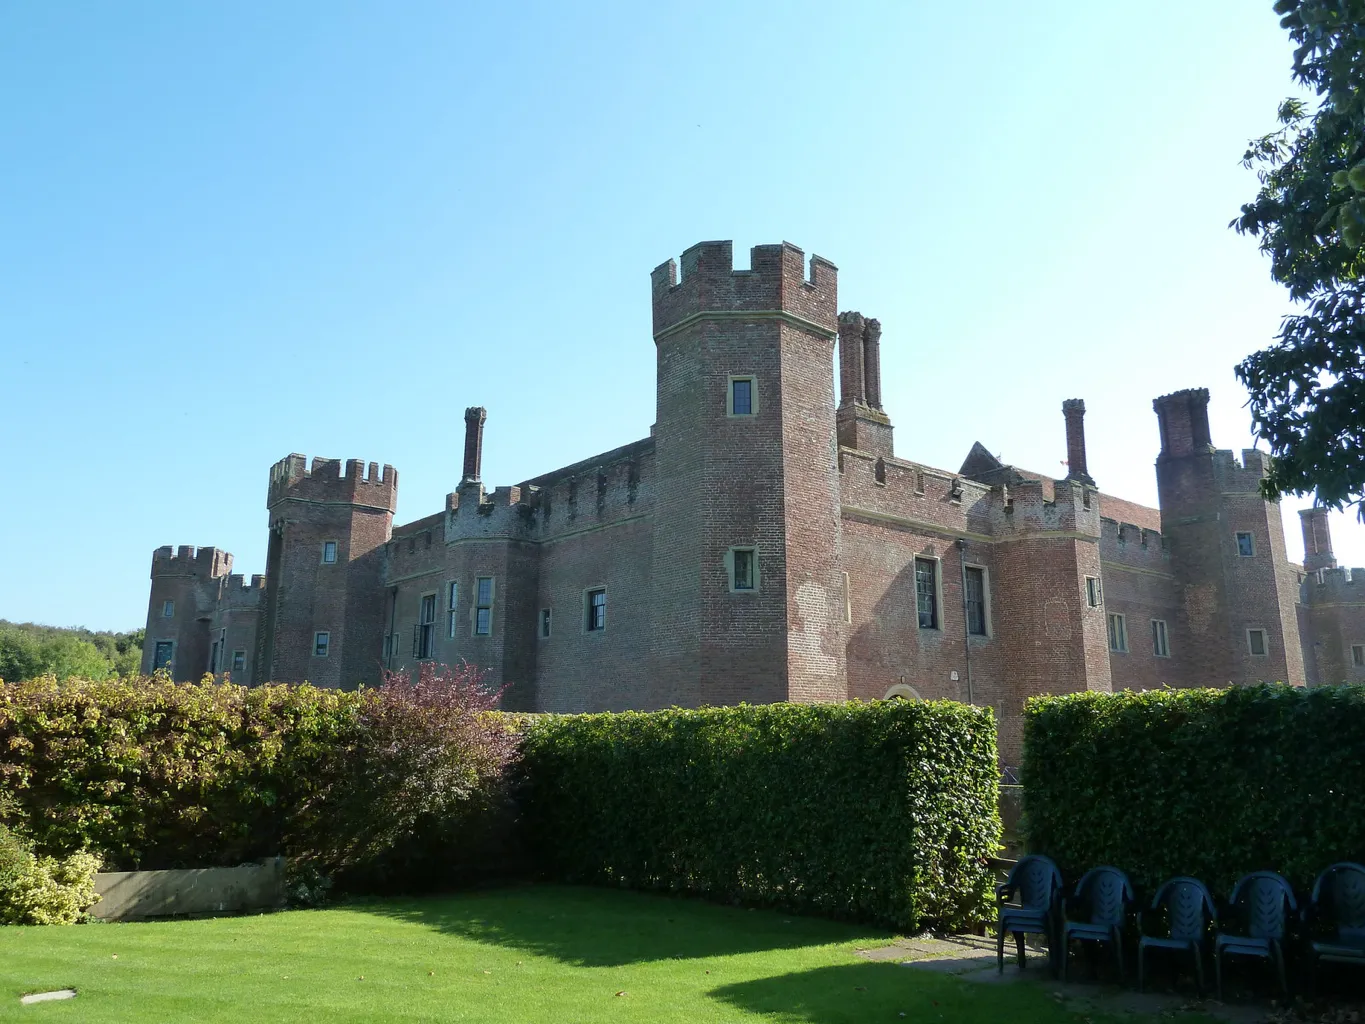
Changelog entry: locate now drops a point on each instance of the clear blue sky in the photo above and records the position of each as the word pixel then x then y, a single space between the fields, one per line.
pixel 233 231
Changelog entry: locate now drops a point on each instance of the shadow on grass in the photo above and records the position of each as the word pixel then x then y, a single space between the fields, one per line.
pixel 588 927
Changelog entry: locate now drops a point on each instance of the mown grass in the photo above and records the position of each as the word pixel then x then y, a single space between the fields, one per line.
pixel 535 954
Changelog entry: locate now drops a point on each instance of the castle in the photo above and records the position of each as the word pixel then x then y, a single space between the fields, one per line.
pixel 764 543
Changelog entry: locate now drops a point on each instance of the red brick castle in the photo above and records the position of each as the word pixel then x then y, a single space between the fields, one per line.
pixel 765 544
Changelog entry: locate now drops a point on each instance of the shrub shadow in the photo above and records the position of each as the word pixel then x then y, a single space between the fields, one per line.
pixel 587 927
pixel 850 994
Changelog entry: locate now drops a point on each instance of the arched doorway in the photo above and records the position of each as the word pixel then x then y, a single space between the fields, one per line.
pixel 902 692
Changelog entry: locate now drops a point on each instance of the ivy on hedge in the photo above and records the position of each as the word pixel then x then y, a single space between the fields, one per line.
pixel 882 811
pixel 1209 783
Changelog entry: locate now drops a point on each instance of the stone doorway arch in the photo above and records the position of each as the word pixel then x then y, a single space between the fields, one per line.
pixel 902 692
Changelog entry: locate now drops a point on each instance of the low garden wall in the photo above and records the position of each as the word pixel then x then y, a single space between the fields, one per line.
pixel 1209 783
pixel 133 895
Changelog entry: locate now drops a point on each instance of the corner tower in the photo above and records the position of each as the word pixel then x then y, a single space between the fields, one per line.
pixel 324 571
pixel 1227 553
pixel 747 584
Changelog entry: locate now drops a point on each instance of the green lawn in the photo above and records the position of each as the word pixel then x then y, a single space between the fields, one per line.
pixel 519 955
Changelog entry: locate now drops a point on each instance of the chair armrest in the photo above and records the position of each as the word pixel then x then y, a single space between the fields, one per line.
pixel 1003 892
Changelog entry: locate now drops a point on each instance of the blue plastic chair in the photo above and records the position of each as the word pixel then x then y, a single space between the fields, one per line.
pixel 1261 899
pixel 1105 893
pixel 1189 911
pixel 1036 882
pixel 1336 916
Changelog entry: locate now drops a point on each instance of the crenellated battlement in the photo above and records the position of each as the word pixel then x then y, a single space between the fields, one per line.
pixel 1234 476
pixel 1044 506
pixel 293 479
pixel 1328 586
pixel 1133 545
pixel 776 282
pixel 237 592
pixel 187 560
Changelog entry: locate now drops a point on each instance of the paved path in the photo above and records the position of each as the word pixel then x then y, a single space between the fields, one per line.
pixel 972 958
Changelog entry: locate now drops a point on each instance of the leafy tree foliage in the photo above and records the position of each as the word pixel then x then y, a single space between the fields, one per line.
pixel 1308 389
pixel 28 651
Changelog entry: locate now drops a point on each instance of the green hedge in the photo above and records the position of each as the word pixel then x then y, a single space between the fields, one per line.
pixel 880 811
pixel 390 786
pixel 1209 783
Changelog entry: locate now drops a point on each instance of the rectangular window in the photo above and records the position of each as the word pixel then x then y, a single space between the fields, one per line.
pixel 1256 643
pixel 1118 634
pixel 1092 592
pixel 1358 655
pixel 165 651
pixel 976 600
pixel 329 551
pixel 239 661
pixel 741 398
pixel 926 592
pixel 1160 647
pixel 213 659
pixel 452 602
pixel 321 641
pixel 597 611
pixel 168 609
pixel 426 627
pixel 1245 547
pixel 744 574
pixel 544 623
pixel 848 600
pixel 483 608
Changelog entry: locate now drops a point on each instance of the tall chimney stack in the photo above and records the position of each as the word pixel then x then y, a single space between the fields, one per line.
pixel 851 359
pixel 872 363
pixel 474 418
pixel 1074 411
pixel 1317 539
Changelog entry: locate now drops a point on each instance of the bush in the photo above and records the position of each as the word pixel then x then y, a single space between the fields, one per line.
pixel 1210 783
pixel 879 811
pixel 43 890
pixel 160 775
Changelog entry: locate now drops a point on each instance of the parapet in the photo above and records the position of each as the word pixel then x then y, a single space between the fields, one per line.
pixel 187 560
pixel 1244 476
pixel 1330 586
pixel 291 478
pixel 776 282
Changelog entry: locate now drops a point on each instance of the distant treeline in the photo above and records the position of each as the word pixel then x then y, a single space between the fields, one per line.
pixel 28 650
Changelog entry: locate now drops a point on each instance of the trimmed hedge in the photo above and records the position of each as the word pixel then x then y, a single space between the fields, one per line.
pixel 1209 783
pixel 882 811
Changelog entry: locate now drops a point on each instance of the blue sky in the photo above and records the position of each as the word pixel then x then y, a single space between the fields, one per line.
pixel 233 231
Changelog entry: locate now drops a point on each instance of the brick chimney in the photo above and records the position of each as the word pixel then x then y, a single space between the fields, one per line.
pixel 1073 409
pixel 474 418
pixel 851 327
pixel 872 362
pixel 1184 421
pixel 1317 539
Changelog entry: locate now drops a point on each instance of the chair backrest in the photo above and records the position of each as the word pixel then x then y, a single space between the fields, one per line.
pixel 1343 885
pixel 1263 895
pixel 1108 892
pixel 1188 905
pixel 1035 878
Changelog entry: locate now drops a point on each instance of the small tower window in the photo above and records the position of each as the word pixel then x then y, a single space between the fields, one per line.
pixel 544 623
pixel 426 627
pixel 1246 547
pixel 329 552
pixel 239 661
pixel 1358 655
pixel 321 642
pixel 165 652
pixel 597 610
pixel 976 600
pixel 483 608
pixel 453 593
pixel 1161 648
pixel 743 568
pixel 1118 634
pixel 926 592
pixel 168 609
pixel 1257 646
pixel 743 397
pixel 1093 594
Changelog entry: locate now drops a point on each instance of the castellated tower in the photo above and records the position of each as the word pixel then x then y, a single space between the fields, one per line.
pixel 185 587
pixel 324 571
pixel 746 462
pixel 1227 550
